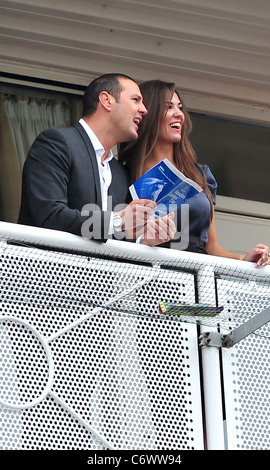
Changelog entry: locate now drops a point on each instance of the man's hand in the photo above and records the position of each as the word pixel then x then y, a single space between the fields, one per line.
pixel 137 213
pixel 159 231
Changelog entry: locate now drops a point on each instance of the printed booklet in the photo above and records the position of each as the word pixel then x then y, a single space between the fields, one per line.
pixel 165 185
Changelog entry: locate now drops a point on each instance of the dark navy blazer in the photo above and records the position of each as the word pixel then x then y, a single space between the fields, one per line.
pixel 60 176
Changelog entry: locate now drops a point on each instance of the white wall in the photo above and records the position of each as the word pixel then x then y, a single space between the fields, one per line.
pixel 239 233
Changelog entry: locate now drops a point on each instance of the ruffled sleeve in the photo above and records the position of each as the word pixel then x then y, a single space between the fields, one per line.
pixel 211 182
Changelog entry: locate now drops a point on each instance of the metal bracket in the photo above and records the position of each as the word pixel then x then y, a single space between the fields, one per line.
pixel 219 340
pixel 212 338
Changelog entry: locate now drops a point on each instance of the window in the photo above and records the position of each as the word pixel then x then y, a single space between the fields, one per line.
pixel 237 153
pixel 25 112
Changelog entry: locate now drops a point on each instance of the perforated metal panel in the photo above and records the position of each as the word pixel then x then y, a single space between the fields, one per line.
pixel 246 367
pixel 243 298
pixel 87 361
pixel 247 395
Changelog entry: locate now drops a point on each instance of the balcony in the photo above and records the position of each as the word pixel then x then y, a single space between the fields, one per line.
pixel 89 362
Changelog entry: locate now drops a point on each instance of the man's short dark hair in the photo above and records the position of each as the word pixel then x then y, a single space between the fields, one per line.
pixel 109 83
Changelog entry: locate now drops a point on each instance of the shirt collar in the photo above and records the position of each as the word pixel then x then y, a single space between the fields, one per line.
pixel 98 147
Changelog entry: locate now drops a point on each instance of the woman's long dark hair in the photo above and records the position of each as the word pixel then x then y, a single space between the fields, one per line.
pixel 156 94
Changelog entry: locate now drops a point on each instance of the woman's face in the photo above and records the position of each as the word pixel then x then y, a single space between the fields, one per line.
pixel 171 124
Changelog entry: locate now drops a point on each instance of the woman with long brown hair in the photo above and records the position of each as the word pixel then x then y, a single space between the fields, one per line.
pixel 163 133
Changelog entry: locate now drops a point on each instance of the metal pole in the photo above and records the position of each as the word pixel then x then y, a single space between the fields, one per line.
pixel 211 370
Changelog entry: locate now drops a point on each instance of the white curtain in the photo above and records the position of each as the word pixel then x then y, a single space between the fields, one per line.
pixel 28 117
pixel 22 118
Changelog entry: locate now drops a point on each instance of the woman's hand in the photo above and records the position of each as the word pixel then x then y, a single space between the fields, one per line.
pixel 159 231
pixel 258 255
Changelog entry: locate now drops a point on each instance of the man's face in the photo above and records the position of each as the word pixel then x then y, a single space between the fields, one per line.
pixel 128 111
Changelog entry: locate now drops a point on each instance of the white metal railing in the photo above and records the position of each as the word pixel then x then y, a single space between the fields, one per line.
pixel 68 242
pixel 136 278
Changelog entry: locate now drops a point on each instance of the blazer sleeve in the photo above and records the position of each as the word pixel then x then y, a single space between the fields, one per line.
pixel 45 189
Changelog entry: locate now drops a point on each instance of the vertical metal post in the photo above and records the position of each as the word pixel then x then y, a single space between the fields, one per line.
pixel 211 369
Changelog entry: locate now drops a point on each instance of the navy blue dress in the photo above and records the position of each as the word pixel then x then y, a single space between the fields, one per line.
pixel 199 211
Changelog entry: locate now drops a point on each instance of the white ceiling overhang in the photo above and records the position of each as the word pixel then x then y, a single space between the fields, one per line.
pixel 213 50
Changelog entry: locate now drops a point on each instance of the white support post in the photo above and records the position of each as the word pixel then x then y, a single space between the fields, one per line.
pixel 211 370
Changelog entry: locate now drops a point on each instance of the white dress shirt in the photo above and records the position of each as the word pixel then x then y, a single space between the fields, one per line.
pixel 105 174
pixel 104 169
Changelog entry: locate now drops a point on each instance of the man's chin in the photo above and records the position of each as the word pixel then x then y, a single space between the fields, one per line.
pixel 134 135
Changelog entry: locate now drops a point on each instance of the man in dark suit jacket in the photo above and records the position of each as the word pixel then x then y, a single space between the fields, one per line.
pixel 62 182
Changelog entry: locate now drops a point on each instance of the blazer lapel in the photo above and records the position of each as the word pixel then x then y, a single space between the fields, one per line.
pixel 93 160
pixel 115 185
